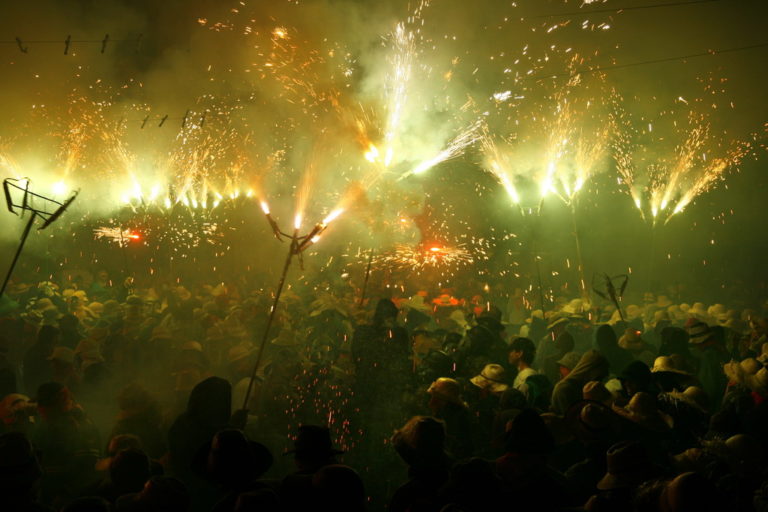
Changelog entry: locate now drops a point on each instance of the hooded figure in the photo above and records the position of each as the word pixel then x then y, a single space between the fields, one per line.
pixel 208 411
pixel 591 367
pixel 607 344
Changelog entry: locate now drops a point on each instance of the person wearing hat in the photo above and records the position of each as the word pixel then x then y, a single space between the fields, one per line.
pixel 632 342
pixel 446 404
pixel 482 397
pixel 524 465
pixel 20 473
pixel 628 466
pixel 421 444
pixel 711 356
pixel 607 343
pixel 552 347
pixel 381 350
pixel 491 380
pixel 642 410
pixel 233 462
pixel 667 374
pixel 37 367
pixel 209 409
pixel 67 437
pixel 567 363
pixel 63 367
pixel 312 450
pixel 591 367
pixel 160 493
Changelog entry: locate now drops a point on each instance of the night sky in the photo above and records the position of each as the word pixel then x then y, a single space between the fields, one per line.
pixel 275 94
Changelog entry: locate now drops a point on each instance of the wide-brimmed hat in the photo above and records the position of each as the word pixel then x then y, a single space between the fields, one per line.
pixel 459 319
pixel 592 421
pixel 556 320
pixel 62 354
pixel 693 396
pixel 11 403
pixel 628 466
pixel 596 391
pixel 230 456
pixel 631 340
pixel 666 364
pixel 698 332
pixel 569 360
pixel 737 372
pixel 447 389
pixel 238 353
pixel 421 440
pixel 51 316
pixel 445 300
pixel 287 337
pixel 313 441
pixel 491 378
pixel 642 411
pixel 758 382
pixel 763 357
pixel 416 302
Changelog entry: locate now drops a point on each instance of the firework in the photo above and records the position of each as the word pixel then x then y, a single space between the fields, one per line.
pixel 564 145
pixel 118 235
pixel 444 258
pixel 664 184
pixel 456 147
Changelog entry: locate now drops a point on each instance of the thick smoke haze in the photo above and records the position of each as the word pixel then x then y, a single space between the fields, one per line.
pixel 273 90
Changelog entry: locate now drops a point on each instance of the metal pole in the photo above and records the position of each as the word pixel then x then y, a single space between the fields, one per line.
pixel 652 256
pixel 367 275
pixel 18 251
pixel 579 259
pixel 534 236
pixel 291 253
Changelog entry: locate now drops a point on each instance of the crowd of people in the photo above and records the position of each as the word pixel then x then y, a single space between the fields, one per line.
pixel 145 398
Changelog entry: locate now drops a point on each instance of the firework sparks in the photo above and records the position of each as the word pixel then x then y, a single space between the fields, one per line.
pixel 118 235
pixel 444 258
pixel 662 185
pixel 455 148
pixel 562 148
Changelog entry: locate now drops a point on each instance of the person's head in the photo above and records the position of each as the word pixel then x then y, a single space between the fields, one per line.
pixel 338 488
pixel 313 448
pixel 690 491
pixel 635 377
pixel 386 313
pixel 232 459
pixel 53 397
pixel 130 470
pixel 605 339
pixel 210 402
pixel 88 504
pixel 163 493
pixel 528 434
pixel 48 334
pixel 444 391
pixel 521 350
pixel 421 441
